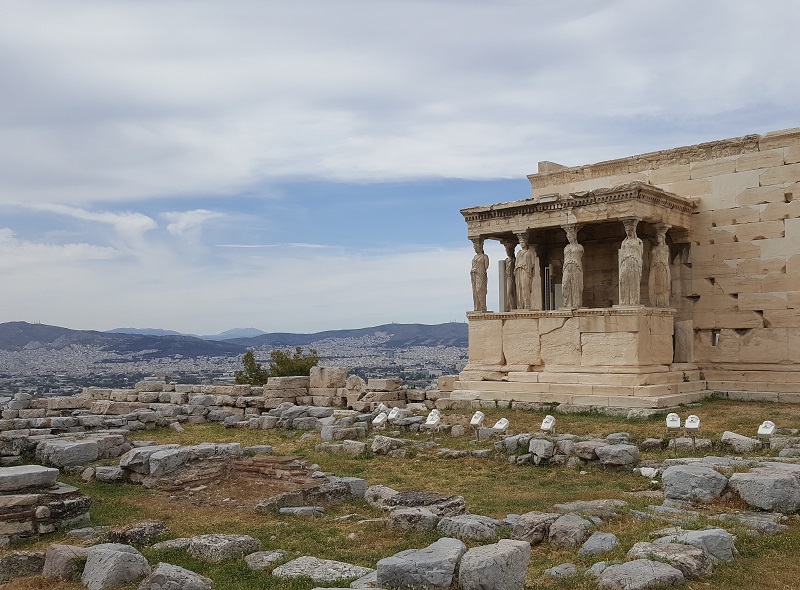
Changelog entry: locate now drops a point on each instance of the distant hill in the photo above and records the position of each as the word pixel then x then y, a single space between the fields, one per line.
pixel 235 333
pixel 146 332
pixel 401 335
pixel 15 336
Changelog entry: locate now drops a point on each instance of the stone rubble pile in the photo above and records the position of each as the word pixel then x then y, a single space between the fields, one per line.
pixel 33 502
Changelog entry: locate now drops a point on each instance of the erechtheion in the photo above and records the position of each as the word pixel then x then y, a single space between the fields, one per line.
pixel 648 281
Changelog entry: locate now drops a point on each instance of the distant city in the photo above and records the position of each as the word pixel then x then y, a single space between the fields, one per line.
pixel 67 361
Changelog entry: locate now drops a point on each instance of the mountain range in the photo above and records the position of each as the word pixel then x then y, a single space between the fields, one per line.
pixel 17 336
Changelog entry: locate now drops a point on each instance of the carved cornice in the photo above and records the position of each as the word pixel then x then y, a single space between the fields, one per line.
pixel 636 191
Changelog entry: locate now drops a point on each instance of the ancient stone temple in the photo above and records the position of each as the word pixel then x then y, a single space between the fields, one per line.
pixel 648 281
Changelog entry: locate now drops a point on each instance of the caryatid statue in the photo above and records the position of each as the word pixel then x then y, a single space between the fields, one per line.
pixel 630 265
pixel 523 273
pixel 511 287
pixel 479 275
pixel 659 279
pixel 572 273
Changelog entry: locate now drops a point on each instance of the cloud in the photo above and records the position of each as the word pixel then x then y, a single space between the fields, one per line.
pixel 287 245
pixel 127 224
pixel 183 221
pixel 16 254
pixel 187 100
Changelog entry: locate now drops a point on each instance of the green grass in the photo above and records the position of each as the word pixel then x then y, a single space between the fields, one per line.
pixel 492 487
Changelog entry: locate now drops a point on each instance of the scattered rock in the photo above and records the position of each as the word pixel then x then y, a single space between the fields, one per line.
pixel 598 543
pixel 469 527
pixel 697 483
pixel 768 489
pixel 739 443
pixel 693 562
pixel 717 543
pixel 563 570
pixel 261 560
pixel 219 548
pixel 440 504
pixel 432 567
pixel 413 519
pixel 618 455
pixel 651 444
pixel 569 530
pixel 501 566
pixel 533 527
pixel 381 445
pixel 764 522
pixel 320 571
pixel 640 574
pixel 64 561
pixel 378 496
pixel 109 565
pixel 138 534
pixel 173 577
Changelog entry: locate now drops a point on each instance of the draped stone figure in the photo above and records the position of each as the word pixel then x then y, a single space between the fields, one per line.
pixel 572 273
pixel 511 287
pixel 523 273
pixel 479 276
pixel 659 281
pixel 630 265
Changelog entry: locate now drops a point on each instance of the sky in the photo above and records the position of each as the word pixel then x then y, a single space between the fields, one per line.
pixel 300 166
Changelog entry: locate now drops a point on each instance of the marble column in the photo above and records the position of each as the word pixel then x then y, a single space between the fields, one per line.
pixel 572 273
pixel 510 287
pixel 659 280
pixel 631 254
pixel 479 275
pixel 524 266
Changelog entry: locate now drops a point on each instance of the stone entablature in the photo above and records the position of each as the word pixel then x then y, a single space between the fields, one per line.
pixel 636 200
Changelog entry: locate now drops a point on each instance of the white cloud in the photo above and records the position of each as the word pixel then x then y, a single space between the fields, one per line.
pixel 274 291
pixel 128 224
pixel 17 255
pixel 138 100
pixel 182 221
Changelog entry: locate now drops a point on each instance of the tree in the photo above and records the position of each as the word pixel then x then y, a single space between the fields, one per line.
pixel 286 364
pixel 252 374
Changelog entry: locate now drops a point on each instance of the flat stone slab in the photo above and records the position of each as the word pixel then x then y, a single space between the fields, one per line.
pixel 641 574
pixel 501 566
pixel 598 543
pixel 693 562
pixel 261 560
pixel 470 527
pixel 219 548
pixel 27 476
pixel 431 568
pixel 110 565
pixel 698 483
pixel 167 576
pixel 717 543
pixel 321 571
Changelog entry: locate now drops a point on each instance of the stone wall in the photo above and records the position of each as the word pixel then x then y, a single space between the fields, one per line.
pixel 738 285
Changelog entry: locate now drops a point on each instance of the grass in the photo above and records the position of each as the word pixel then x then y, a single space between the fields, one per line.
pixel 492 487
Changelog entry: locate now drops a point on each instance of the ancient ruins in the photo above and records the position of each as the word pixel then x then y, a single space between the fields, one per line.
pixel 648 281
